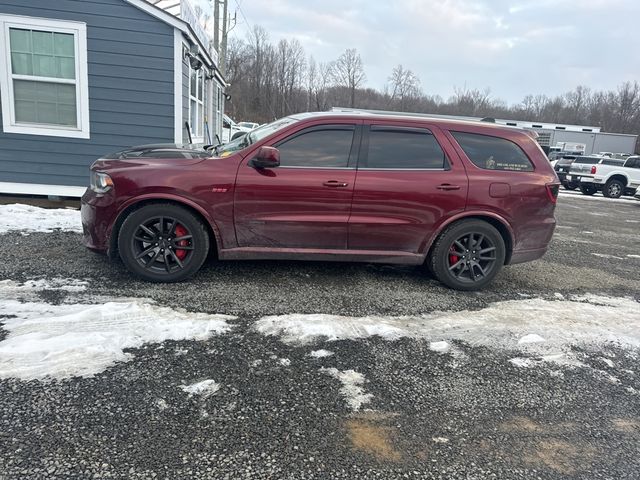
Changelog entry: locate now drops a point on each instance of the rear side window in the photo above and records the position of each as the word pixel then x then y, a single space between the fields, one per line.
pixel 395 148
pixel 324 148
pixel 588 160
pixel 612 161
pixel 493 153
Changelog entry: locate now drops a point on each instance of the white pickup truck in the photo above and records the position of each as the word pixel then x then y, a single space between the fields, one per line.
pixel 615 177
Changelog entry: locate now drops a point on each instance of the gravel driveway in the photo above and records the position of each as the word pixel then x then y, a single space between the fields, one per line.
pixel 325 370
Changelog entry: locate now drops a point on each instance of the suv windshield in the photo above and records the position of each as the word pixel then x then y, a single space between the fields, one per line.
pixel 252 137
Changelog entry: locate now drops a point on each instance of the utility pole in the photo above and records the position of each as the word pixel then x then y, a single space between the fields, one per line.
pixel 216 25
pixel 223 49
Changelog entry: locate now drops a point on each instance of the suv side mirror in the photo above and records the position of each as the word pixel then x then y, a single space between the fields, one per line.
pixel 267 157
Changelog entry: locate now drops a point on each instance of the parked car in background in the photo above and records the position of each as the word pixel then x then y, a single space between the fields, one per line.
pixel 231 129
pixel 614 177
pixel 443 193
pixel 249 125
pixel 562 167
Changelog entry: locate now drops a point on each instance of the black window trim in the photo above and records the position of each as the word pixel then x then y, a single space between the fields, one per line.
pixel 364 148
pixel 353 152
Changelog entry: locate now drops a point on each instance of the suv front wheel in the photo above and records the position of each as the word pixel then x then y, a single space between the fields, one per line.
pixel 467 255
pixel 163 243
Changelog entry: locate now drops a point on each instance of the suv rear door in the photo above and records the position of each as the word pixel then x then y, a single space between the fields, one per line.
pixel 407 184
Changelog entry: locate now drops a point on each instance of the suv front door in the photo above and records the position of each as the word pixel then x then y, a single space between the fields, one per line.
pixel 406 186
pixel 306 201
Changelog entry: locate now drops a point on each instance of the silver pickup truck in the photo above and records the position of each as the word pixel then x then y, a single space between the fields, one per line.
pixel 614 177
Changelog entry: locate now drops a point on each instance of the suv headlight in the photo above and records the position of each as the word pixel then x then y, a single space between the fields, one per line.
pixel 100 182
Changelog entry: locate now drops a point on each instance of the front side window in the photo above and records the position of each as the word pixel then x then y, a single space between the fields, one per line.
pixel 328 147
pixel 403 149
pixel 493 153
pixel 43 77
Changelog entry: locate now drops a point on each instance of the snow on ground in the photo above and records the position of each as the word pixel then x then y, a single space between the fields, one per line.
pixel 439 346
pixel 538 327
pixel 25 218
pixel 351 389
pixel 62 341
pixel 597 196
pixel 321 353
pixel 9 287
pixel 606 255
pixel 205 388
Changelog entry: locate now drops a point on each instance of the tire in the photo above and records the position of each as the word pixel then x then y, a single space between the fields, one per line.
pixel 442 260
pixel 588 189
pixel 613 189
pixel 179 259
pixel 569 186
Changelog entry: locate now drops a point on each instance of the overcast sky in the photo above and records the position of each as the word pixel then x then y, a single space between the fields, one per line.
pixel 513 47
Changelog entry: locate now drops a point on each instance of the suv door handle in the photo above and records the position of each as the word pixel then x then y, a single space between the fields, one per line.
pixel 447 186
pixel 335 184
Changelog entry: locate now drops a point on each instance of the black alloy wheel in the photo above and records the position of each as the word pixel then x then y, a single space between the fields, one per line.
pixel 472 257
pixel 467 255
pixel 163 243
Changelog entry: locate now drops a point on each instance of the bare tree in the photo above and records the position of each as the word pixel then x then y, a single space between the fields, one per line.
pixel 348 72
pixel 404 86
pixel 268 81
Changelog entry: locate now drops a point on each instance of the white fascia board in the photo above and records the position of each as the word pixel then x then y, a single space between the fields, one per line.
pixel 41 189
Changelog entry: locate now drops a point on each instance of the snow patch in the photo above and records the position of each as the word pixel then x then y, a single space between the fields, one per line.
pixel 606 255
pixel 633 256
pixel 26 218
pixel 321 353
pixel 62 341
pixel 531 338
pixel 522 362
pixel 351 390
pixel 285 362
pixel 205 388
pixel 582 320
pixel 440 440
pixel 440 347
pixel 10 288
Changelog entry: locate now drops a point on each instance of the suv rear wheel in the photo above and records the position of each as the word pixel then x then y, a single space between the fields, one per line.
pixel 467 255
pixel 163 243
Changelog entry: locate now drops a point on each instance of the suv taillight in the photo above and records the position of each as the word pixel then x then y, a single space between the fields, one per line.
pixel 552 191
pixel 593 170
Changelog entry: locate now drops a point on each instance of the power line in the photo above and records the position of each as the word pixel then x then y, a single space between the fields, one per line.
pixel 243 15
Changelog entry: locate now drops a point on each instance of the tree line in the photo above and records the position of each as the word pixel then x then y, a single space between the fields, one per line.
pixel 269 81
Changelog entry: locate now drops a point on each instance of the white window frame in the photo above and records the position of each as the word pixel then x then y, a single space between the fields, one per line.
pixel 79 31
pixel 197 131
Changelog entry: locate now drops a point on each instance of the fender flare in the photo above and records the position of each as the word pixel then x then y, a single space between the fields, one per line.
pixel 428 241
pixel 164 196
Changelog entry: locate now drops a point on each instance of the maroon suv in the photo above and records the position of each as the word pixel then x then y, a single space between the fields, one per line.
pixel 464 198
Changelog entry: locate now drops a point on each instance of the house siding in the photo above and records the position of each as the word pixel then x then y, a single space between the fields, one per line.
pixel 131 91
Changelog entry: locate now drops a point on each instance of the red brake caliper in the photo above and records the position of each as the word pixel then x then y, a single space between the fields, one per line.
pixel 180 231
pixel 453 258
